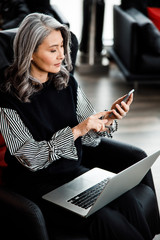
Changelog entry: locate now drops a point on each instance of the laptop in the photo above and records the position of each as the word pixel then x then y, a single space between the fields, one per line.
pixel 94 189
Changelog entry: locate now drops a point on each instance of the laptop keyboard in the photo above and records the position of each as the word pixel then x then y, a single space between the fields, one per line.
pixel 87 198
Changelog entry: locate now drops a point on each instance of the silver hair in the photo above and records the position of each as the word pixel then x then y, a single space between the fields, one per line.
pixel 32 31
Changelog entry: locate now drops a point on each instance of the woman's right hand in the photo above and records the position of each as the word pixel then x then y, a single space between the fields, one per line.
pixel 94 122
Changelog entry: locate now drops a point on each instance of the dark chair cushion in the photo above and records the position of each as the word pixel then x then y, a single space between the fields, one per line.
pixel 149 63
pixel 141 5
pixel 21 217
pixel 149 35
pixel 153 3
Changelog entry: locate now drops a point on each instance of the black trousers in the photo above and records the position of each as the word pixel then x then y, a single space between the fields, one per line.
pixel 124 217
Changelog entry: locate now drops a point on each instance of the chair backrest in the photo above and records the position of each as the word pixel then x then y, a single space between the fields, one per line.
pixel 47 8
pixel 6 49
pixel 141 5
pixel 6 56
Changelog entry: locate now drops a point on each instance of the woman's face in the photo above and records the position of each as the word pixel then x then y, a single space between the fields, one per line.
pixel 49 55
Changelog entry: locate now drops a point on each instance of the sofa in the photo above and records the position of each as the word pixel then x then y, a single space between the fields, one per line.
pixel 136 40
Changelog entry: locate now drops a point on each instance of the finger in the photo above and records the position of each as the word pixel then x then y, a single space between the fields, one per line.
pixel 102 115
pixel 121 110
pixel 104 121
pixel 125 106
pixel 130 100
pixel 118 115
pixel 108 113
pixel 101 125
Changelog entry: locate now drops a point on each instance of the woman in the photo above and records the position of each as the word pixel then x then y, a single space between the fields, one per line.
pixel 45 120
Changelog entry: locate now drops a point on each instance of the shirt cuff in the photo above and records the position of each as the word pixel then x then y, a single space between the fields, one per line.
pixel 62 144
pixel 111 129
pixel 91 139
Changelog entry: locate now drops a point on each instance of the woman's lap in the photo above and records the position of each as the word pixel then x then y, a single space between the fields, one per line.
pixel 122 219
pixel 112 154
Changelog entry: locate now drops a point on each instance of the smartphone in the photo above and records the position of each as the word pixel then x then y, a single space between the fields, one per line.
pixel 124 99
pixel 127 96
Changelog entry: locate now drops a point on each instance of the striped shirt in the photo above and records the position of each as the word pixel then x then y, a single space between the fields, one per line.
pixel 36 155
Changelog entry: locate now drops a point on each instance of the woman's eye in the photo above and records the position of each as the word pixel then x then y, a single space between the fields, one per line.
pixel 53 51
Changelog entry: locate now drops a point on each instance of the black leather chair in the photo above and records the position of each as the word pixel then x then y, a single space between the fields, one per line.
pixel 21 218
pixel 44 6
pixel 136 47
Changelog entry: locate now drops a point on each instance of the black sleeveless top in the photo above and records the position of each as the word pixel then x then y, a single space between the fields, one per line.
pixel 49 111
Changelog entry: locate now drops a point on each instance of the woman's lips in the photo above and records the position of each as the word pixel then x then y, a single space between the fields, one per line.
pixel 57 65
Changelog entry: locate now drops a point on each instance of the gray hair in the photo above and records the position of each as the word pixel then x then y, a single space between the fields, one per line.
pixel 32 31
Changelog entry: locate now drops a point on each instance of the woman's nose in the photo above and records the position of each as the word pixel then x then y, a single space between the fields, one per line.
pixel 61 53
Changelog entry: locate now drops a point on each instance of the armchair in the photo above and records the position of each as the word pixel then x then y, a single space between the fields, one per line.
pixel 23 219
pixel 136 47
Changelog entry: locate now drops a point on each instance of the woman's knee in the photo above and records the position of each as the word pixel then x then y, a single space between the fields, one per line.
pixel 127 202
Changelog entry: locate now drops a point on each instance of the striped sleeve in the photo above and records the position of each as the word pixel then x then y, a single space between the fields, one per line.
pixel 33 154
pixel 84 110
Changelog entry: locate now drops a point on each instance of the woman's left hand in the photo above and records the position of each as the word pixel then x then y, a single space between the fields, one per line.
pixel 120 108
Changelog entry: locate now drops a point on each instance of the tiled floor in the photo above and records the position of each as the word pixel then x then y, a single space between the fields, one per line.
pixel 141 126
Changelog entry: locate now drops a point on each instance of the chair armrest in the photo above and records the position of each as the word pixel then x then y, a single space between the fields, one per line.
pixel 58 15
pixel 22 215
pixel 125 37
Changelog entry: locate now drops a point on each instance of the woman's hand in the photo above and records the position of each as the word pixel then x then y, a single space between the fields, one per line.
pixel 120 108
pixel 96 122
pixel 99 122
